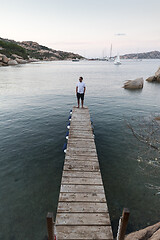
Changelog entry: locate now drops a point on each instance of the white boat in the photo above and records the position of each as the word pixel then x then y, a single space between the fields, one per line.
pixel 75 60
pixel 117 60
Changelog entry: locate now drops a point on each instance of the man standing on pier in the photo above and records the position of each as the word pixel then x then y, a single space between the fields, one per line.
pixel 80 91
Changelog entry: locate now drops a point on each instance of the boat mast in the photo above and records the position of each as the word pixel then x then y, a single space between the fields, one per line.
pixel 111 52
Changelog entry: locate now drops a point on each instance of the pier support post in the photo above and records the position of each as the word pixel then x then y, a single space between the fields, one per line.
pixel 123 224
pixel 50 226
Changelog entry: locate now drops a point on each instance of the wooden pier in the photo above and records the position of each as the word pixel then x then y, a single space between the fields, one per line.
pixel 82 208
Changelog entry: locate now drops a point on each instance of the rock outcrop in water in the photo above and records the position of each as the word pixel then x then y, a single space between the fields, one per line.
pixel 149 233
pixel 155 78
pixel 134 84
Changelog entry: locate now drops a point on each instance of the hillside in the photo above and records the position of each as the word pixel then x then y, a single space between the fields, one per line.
pixel 146 55
pixel 35 50
pixel 32 51
pixel 9 48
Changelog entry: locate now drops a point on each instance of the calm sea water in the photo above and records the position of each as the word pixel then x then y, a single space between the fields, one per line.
pixel 34 108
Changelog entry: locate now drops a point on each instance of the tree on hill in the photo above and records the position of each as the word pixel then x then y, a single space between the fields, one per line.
pixel 9 48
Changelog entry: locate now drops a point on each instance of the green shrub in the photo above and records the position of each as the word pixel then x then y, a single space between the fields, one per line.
pixel 10 48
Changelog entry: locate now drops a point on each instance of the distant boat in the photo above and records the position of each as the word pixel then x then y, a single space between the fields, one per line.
pixel 75 60
pixel 117 60
pixel 102 59
pixel 111 59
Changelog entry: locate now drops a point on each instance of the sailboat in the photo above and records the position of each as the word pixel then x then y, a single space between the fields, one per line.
pixel 111 59
pixel 117 60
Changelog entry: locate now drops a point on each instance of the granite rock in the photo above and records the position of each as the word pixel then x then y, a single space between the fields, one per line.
pixel 134 84
pixel 12 62
pixel 5 59
pixel 149 233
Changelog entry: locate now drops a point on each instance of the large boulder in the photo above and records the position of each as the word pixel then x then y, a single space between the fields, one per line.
pixel 5 59
pixel 151 79
pixel 155 78
pixel 33 60
pixel 4 64
pixel 17 56
pixel 12 62
pixel 149 233
pixel 1 57
pixel 20 61
pixel 134 84
pixel 157 73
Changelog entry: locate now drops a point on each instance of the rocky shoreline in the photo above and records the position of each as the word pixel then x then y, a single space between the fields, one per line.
pixel 13 53
pixel 15 60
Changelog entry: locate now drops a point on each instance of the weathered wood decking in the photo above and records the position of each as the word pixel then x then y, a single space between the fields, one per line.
pixel 82 209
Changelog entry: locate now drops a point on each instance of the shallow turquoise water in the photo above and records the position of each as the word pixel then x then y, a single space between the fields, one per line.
pixel 34 108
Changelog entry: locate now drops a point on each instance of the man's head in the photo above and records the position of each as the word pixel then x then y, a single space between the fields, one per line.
pixel 81 79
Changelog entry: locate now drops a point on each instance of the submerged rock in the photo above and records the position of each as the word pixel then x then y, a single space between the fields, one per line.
pixel 157 118
pixel 134 84
pixel 149 233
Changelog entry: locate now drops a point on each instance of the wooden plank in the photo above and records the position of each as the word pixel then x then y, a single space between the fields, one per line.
pixel 81 118
pixel 85 129
pixel 85 122
pixel 82 188
pixel 80 153
pixel 82 207
pixel 89 168
pixel 80 145
pixel 81 141
pixel 83 150
pixel 82 163
pixel 82 197
pixel 85 181
pixel 79 158
pixel 95 175
pixel 79 137
pixel 73 138
pixel 84 232
pixel 71 130
pixel 88 219
pixel 79 129
pixel 82 127
pixel 76 135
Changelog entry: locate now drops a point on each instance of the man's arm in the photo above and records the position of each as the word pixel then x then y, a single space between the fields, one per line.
pixel 76 89
pixel 84 89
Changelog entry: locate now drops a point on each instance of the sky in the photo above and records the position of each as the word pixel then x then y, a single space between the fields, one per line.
pixel 86 27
